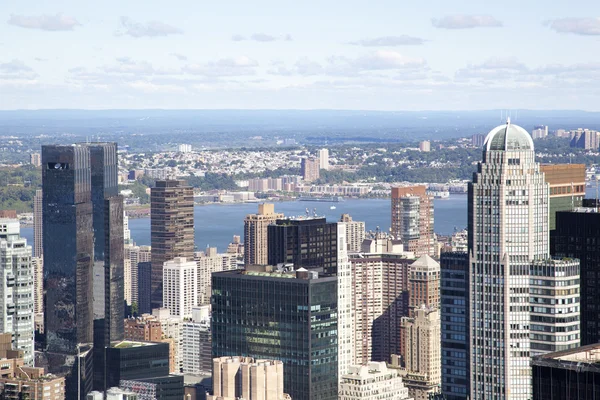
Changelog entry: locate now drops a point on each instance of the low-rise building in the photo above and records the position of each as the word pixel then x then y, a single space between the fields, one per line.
pixel 372 381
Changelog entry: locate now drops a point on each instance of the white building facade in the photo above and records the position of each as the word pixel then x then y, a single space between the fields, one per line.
pixel 346 353
pixel 180 282
pixel 373 381
pixel 508 229
pixel 17 297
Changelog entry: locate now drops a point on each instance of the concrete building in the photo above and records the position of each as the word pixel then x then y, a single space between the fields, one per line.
pixel 424 281
pixel 142 329
pixel 345 324
pixel 180 287
pixel 425 146
pixel 171 229
pixel 355 232
pixel 17 289
pixel 255 234
pixel 137 255
pixel 308 348
pixel 567 375
pixel 412 219
pixel 197 343
pixel 184 148
pixel 585 139
pixel 423 359
pixel 172 332
pixel 555 307
pixel 372 381
pixel 246 378
pixel 19 381
pixel 35 159
pixel 567 188
pixel 539 132
pixel 310 169
pixel 508 239
pixel 38 224
pixel 37 265
pixel 208 262
pixel 379 300
pixel 324 159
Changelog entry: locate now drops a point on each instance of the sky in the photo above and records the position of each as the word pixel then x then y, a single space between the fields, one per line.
pixel 261 54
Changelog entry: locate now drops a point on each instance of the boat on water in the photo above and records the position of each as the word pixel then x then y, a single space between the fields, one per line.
pixel 439 194
pixel 332 208
pixel 330 199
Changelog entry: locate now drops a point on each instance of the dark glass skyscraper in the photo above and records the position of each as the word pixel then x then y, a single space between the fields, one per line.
pixel 577 235
pixel 171 229
pixel 308 242
pixel 68 239
pixel 286 316
pixel 454 306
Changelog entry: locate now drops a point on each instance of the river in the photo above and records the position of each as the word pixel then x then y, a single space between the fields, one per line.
pixel 217 223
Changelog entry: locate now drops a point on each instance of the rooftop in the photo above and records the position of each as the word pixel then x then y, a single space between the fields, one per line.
pixel 508 137
pixel 126 344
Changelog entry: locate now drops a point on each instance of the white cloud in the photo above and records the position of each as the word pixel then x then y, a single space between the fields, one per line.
pixel 58 22
pixel 578 26
pixel 389 41
pixel 261 37
pixel 237 66
pixel 178 56
pixel 16 69
pixel 466 22
pixel 148 29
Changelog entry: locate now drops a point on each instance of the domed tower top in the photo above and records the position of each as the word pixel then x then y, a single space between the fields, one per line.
pixel 508 137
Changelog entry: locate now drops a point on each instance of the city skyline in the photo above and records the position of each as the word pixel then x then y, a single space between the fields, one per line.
pixel 261 55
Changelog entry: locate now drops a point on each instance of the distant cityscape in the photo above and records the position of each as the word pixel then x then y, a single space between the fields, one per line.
pixel 301 306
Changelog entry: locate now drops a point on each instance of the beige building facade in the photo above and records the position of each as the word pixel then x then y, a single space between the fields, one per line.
pixel 255 234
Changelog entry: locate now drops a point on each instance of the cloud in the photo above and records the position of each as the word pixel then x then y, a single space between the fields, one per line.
pixel 262 37
pixel 402 40
pixel 16 69
pixel 466 22
pixel 578 26
pixel 237 66
pixel 58 22
pixel 148 29
pixel 178 56
pixel 387 59
pixel 303 67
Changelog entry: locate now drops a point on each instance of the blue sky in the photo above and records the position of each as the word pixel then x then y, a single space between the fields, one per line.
pixel 377 55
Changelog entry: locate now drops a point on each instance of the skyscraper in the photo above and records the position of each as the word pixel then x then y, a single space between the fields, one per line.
pixel 508 228
pixel 16 289
pixel 68 239
pixel 255 234
pixel 567 187
pixel 412 219
pixel 309 242
pixel 309 169
pixel 180 290
pixel 38 239
pixel 294 320
pixel 171 229
pixel 577 235
pixel 324 159
pixel 424 282
pixel 355 232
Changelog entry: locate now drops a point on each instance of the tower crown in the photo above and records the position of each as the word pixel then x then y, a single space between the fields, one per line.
pixel 508 137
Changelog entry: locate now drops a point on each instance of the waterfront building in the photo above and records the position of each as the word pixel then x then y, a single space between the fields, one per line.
pixel 17 289
pixel 302 300
pixel 412 219
pixel 577 235
pixel 567 188
pixel 248 379
pixel 68 262
pixel 208 262
pixel 422 359
pixel 567 375
pixel 180 287
pixel 355 232
pixel 539 132
pixel 324 159
pixel 585 139
pixel 310 169
pixel 454 312
pixel 305 241
pixel 171 229
pixel 372 381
